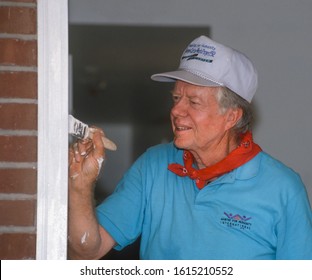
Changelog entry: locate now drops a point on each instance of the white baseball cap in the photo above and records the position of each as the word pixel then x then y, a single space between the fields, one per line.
pixel 207 63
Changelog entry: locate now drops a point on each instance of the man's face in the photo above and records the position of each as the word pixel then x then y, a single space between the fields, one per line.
pixel 196 118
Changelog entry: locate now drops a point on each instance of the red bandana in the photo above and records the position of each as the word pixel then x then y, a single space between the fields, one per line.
pixel 242 154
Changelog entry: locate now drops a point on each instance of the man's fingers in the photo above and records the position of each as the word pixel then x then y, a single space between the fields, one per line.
pixel 87 156
pixel 77 155
pixel 98 145
pixel 85 147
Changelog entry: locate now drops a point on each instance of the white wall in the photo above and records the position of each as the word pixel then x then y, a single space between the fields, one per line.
pixel 275 34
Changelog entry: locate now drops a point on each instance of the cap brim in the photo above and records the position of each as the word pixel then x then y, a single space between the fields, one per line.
pixel 185 76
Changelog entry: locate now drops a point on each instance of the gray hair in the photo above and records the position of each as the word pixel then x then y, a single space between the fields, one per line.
pixel 229 99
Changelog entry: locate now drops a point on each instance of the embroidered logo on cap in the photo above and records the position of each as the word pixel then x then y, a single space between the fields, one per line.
pixel 202 52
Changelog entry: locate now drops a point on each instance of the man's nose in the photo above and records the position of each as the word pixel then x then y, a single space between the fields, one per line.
pixel 179 108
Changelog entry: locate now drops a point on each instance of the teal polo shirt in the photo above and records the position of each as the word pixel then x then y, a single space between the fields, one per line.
pixel 258 211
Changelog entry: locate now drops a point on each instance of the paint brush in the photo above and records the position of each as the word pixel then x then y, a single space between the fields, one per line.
pixel 81 130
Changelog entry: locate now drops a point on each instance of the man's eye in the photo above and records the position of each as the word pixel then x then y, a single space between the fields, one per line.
pixel 175 98
pixel 194 102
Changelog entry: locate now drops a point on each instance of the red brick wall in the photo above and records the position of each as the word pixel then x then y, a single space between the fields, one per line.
pixel 18 128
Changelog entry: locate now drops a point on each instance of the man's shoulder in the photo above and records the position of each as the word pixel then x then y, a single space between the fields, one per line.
pixel 278 171
pixel 162 150
pixel 274 164
pixel 160 154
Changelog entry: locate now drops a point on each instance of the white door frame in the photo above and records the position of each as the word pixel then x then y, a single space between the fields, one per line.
pixel 52 129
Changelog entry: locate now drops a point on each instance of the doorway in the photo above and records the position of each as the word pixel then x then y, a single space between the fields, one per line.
pixel 112 89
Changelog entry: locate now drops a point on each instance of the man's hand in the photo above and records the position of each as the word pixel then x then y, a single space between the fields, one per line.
pixel 85 160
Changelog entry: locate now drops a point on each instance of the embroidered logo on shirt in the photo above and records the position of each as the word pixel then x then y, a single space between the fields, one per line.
pixel 236 221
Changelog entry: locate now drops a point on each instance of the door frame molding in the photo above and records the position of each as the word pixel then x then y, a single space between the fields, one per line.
pixel 52 194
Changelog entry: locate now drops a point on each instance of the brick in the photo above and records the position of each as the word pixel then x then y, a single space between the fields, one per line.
pixel 18 52
pixel 18 181
pixel 17 212
pixel 18 85
pixel 18 20
pixel 17 246
pixel 18 116
pixel 18 148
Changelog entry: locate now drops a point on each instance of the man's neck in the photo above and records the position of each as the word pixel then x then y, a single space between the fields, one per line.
pixel 216 152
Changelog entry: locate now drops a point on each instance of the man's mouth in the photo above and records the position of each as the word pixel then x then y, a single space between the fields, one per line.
pixel 182 128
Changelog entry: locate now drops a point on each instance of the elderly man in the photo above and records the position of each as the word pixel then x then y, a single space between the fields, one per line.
pixel 210 194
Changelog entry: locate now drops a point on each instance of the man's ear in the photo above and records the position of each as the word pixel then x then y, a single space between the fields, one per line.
pixel 233 116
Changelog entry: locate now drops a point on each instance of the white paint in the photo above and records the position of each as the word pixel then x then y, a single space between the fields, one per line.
pixel 74 176
pixel 100 162
pixel 52 129
pixel 84 238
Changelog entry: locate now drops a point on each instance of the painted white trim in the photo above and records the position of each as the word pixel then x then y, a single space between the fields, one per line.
pixel 52 129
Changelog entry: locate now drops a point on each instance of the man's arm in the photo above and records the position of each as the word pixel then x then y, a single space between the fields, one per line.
pixel 86 238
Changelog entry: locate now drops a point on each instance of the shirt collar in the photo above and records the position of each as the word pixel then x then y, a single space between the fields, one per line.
pixel 247 171
pixel 244 172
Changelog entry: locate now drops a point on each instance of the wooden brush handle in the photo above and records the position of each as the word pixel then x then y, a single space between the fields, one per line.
pixel 108 144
